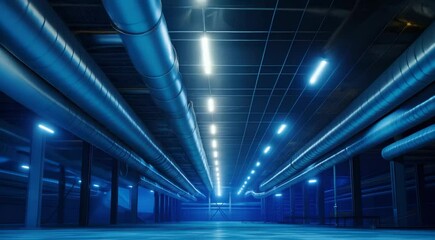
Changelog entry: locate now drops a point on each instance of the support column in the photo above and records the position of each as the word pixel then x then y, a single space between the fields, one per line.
pixel 398 190
pixel 156 207
pixel 321 201
pixel 209 207
pixel 355 183
pixel 306 204
pixel 61 196
pixel 420 194
pixel 85 187
pixel 291 204
pixel 114 194
pixel 334 178
pixel 36 174
pixel 134 202
pixel 230 210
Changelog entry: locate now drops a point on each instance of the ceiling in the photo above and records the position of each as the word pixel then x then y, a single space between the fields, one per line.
pixel 263 54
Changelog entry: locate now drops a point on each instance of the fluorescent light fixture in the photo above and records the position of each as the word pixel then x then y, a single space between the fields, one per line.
pixel 318 71
pixel 214 143
pixel 258 164
pixel 215 154
pixel 281 128
pixel 45 128
pixel 80 181
pixel 25 166
pixel 246 182
pixel 130 186
pixel 217 169
pixel 206 61
pixel 216 162
pixel 96 185
pixel 253 171
pixel 267 149
pixel 151 191
pixel 217 174
pixel 210 104
pixel 312 181
pixel 213 129
pixel 249 177
pixel 278 195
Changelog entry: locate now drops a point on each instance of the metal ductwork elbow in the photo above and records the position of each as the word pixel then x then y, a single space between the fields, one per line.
pixel 144 32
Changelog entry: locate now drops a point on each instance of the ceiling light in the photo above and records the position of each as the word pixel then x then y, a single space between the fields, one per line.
pixel 25 166
pixel 151 191
pixel 45 128
pixel 278 195
pixel 217 174
pixel 217 169
pixel 318 71
pixel 215 154
pixel 249 177
pixel 210 104
pixel 246 182
pixel 96 185
pixel 258 164
pixel 267 149
pixel 206 62
pixel 312 181
pixel 213 129
pixel 253 171
pixel 130 186
pixel 216 162
pixel 214 143
pixel 281 128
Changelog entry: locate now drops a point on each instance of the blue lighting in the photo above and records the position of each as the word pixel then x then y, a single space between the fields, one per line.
pixel 253 171
pixel 96 185
pixel 249 177
pixel 45 128
pixel 258 164
pixel 278 195
pixel 151 191
pixel 266 150
pixel 25 167
pixel 281 129
pixel 312 181
pixel 130 186
pixel 318 71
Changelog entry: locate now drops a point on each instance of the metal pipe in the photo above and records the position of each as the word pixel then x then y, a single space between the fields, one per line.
pixel 28 89
pixel 157 188
pixel 144 32
pixel 410 73
pixel 410 143
pixel 40 39
pixel 395 123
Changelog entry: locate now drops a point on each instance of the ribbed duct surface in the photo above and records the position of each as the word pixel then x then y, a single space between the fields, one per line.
pixel 144 32
pixel 409 74
pixel 38 37
pixel 28 89
pixel 395 123
pixel 413 142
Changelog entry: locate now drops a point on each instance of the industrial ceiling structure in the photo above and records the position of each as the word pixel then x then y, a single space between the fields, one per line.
pixel 229 105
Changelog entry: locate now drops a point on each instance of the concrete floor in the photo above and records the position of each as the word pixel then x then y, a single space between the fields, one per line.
pixel 217 230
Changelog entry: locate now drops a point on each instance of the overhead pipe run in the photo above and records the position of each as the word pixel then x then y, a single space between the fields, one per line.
pixel 395 123
pixel 144 32
pixel 156 187
pixel 28 89
pixel 410 73
pixel 413 142
pixel 39 38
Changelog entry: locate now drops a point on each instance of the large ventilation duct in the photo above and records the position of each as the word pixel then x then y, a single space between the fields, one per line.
pixel 28 89
pixel 395 123
pixel 156 187
pixel 413 142
pixel 143 30
pixel 38 37
pixel 409 74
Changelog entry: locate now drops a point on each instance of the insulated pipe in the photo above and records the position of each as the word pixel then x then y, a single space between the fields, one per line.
pixel 395 123
pixel 409 74
pixel 410 143
pixel 25 87
pixel 37 36
pixel 144 32
pixel 156 187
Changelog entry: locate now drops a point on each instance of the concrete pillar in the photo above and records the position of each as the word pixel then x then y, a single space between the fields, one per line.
pixel 134 202
pixel 61 196
pixel 321 201
pixel 306 204
pixel 355 183
pixel 420 194
pixel 398 190
pixel 36 174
